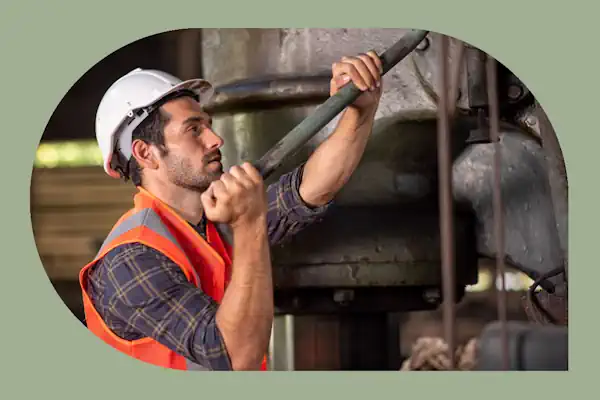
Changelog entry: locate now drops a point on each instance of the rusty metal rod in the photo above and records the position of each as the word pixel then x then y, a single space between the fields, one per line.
pixel 326 112
pixel 445 204
pixel 492 91
pixel 455 74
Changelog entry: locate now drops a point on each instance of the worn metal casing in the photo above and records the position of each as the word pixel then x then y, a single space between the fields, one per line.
pixel 284 73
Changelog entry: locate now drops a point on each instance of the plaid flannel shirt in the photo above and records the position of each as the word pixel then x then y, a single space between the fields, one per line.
pixel 139 292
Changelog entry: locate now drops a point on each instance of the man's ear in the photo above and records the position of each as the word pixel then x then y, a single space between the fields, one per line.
pixel 144 155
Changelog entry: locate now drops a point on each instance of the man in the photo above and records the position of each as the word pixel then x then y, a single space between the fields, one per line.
pixel 166 288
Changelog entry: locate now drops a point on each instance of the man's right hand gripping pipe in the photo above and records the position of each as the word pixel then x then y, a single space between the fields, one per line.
pixel 245 315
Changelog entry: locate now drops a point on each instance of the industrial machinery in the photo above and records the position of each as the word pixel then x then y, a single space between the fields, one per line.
pixel 380 250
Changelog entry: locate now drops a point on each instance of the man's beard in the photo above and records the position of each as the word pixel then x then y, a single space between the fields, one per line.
pixel 181 172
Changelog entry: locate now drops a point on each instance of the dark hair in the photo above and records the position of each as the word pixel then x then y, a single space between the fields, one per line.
pixel 151 131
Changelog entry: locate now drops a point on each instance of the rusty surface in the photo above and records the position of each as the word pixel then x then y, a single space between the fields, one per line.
pixel 492 94
pixel 557 176
pixel 403 251
pixel 477 80
pixel 557 306
pixel 532 243
pixel 427 69
pixel 234 54
pixel 445 199
pixel 366 274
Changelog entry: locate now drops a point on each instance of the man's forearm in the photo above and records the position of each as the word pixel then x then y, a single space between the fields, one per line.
pixel 333 162
pixel 245 315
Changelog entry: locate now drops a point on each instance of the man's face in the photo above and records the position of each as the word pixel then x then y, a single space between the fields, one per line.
pixel 193 158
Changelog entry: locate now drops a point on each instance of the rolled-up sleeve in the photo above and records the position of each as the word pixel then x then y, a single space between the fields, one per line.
pixel 288 213
pixel 145 294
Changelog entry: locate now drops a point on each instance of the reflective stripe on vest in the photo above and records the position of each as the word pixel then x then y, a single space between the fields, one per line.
pixel 149 219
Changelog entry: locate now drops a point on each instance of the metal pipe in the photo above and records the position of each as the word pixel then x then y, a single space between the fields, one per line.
pixel 445 204
pixel 290 343
pixel 281 356
pixel 492 93
pixel 326 112
pixel 271 352
pixel 270 92
pixel 455 78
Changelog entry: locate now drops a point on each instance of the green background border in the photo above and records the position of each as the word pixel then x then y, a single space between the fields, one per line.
pixel 46 46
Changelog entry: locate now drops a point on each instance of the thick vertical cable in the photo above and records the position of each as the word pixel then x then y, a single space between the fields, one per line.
pixel 445 203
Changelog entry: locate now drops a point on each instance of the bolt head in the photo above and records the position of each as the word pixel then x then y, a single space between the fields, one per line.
pixel 432 296
pixel 343 296
pixel 531 120
pixel 514 92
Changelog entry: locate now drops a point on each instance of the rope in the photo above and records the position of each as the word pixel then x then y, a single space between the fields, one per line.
pixel 431 354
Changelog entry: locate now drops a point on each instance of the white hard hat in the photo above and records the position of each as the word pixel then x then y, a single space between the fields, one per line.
pixel 129 101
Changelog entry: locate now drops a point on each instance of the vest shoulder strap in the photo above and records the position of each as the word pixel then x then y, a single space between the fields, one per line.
pixel 134 225
pixel 147 218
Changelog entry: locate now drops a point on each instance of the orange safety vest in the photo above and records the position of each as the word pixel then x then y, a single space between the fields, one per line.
pixel 205 263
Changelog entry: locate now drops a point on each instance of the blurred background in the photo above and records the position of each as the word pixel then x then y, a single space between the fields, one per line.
pixel 268 80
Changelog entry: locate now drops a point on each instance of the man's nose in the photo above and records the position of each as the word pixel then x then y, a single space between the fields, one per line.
pixel 212 141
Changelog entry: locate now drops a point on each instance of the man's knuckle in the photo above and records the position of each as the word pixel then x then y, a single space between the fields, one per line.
pixel 239 188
